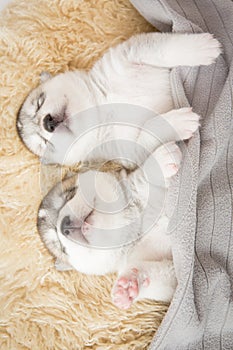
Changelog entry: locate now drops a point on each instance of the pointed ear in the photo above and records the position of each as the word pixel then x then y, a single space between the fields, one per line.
pixel 44 76
pixel 62 266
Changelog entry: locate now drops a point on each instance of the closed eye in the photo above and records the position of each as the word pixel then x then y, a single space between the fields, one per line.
pixel 40 101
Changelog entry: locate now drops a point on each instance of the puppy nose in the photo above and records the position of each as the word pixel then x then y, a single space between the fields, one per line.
pixel 65 225
pixel 50 123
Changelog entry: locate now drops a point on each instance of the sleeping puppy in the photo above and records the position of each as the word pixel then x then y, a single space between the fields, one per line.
pixel 98 223
pixel 52 122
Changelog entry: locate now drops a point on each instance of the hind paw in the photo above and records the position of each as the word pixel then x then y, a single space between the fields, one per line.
pixel 126 288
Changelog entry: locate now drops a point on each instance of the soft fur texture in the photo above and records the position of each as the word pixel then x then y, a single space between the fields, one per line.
pixel 40 307
pixel 58 121
pixel 125 213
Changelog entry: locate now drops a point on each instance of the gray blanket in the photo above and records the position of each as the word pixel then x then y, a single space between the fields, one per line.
pixel 201 313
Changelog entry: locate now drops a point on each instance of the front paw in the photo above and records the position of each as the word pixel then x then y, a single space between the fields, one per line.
pixel 207 49
pixel 184 122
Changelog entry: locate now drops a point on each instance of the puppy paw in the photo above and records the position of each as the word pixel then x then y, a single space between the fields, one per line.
pixel 200 49
pixel 206 49
pixel 184 122
pixel 169 158
pixel 127 287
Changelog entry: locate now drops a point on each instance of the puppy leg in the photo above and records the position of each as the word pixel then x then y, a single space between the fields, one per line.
pixel 183 121
pixel 175 125
pixel 148 279
pixel 168 158
pixel 170 50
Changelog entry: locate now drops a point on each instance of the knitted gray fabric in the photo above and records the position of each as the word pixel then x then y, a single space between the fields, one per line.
pixel 201 313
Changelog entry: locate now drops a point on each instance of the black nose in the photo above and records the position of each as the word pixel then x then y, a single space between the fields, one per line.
pixel 65 225
pixel 50 123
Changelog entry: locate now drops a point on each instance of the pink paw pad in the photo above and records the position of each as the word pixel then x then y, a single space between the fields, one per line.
pixel 126 289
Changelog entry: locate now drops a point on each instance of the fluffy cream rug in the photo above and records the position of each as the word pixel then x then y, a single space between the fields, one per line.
pixel 40 307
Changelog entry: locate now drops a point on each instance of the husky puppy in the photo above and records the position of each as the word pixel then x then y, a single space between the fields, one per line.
pixel 136 73
pixel 98 222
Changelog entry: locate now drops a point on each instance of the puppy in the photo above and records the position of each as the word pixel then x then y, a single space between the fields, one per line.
pixel 68 116
pixel 98 222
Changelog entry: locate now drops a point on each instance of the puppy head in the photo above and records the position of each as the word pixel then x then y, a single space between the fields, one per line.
pixel 91 209
pixel 48 108
pixel 100 214
pixel 41 112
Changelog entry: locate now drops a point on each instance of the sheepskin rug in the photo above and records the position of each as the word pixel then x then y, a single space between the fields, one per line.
pixel 41 308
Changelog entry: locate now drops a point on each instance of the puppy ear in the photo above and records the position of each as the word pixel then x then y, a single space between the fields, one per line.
pixel 62 266
pixel 44 76
pixel 70 193
pixel 69 187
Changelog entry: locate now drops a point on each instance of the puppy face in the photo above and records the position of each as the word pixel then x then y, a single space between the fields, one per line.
pixel 82 214
pixel 92 210
pixel 48 108
pixel 100 214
